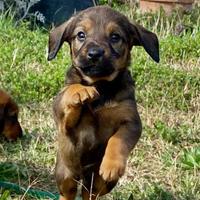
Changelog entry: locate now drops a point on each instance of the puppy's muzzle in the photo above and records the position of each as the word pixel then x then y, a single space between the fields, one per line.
pixel 95 54
pixel 95 63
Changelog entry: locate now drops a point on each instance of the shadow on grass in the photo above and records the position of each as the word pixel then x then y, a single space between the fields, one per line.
pixel 27 175
pixel 158 193
pixel 15 168
pixel 154 191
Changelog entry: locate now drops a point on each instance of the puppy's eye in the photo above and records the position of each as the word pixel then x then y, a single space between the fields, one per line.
pixel 115 37
pixel 81 36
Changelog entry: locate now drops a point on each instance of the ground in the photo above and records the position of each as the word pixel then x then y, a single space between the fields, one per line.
pixel 165 164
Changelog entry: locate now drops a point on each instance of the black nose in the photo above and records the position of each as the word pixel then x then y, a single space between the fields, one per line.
pixel 95 53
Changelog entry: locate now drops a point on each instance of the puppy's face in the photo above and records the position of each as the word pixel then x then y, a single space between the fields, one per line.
pixel 99 48
pixel 9 124
pixel 100 41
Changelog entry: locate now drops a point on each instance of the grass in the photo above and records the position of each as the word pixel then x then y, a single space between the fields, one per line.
pixel 165 165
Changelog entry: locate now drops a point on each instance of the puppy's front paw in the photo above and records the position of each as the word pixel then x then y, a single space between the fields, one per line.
pixel 77 94
pixel 112 170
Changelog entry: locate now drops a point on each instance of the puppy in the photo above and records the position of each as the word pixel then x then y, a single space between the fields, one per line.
pixel 95 113
pixel 9 124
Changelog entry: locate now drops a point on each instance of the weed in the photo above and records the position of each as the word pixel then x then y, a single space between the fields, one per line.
pixel 190 158
pixel 5 195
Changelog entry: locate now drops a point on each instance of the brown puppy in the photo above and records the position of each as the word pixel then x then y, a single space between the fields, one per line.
pixel 9 124
pixel 96 113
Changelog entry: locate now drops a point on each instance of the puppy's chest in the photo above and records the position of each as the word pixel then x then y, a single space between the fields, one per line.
pixel 105 110
pixel 97 124
pixel 107 94
pixel 102 117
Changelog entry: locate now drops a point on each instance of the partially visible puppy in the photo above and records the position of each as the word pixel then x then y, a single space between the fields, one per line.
pixel 9 124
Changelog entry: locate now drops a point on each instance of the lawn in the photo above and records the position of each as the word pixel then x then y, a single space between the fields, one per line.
pixel 165 165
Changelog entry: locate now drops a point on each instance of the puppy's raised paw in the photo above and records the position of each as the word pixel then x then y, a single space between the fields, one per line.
pixel 77 94
pixel 112 170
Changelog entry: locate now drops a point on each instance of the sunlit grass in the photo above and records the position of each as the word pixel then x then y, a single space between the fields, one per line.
pixel 165 163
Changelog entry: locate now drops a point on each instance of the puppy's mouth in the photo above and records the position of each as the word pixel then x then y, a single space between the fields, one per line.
pixel 99 69
pixel 96 71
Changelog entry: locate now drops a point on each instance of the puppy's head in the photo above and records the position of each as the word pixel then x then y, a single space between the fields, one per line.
pixel 100 40
pixel 9 124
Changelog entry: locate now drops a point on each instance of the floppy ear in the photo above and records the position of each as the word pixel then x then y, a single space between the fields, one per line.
pixel 57 37
pixel 147 39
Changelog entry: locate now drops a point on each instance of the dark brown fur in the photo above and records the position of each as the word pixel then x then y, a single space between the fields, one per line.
pixel 9 124
pixel 96 113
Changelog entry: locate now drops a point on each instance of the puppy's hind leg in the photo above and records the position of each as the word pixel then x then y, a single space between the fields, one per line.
pixel 67 178
pixel 68 189
pixel 94 186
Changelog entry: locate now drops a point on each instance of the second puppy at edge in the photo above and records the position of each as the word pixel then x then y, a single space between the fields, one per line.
pixel 9 124
pixel 96 114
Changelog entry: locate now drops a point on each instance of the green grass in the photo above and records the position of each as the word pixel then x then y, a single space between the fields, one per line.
pixel 165 165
